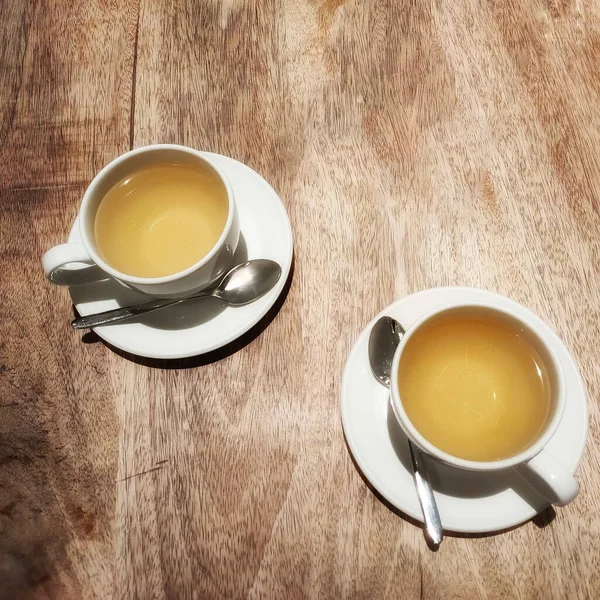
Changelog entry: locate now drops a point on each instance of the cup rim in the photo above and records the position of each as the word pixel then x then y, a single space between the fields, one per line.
pixel 471 465
pixel 104 172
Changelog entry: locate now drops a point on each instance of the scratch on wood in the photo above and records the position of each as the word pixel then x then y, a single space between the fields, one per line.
pixel 138 474
pixel 133 78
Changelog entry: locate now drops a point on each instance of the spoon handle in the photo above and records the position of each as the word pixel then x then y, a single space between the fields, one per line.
pixel 120 314
pixel 433 524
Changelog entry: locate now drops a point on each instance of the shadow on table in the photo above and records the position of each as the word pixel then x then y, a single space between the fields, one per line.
pixel 181 316
pixel 210 357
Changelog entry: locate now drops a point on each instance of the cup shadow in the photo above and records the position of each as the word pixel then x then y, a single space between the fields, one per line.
pixel 174 318
pixel 449 480
pixel 462 484
pixel 210 357
pixel 79 275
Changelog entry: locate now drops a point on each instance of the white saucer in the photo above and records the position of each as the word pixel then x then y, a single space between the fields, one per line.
pixel 468 502
pixel 201 326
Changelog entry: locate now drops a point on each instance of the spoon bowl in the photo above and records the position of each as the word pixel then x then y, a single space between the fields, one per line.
pixel 247 282
pixel 383 341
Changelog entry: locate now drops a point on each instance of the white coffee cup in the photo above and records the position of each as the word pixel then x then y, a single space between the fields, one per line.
pixel 535 464
pixel 197 277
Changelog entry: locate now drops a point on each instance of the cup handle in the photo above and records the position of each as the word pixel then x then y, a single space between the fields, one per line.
pixel 550 478
pixel 58 257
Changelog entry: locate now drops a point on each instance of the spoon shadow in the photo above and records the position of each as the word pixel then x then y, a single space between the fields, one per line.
pixel 172 318
pixel 210 357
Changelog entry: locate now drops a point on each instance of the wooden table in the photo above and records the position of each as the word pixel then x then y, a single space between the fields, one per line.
pixel 414 144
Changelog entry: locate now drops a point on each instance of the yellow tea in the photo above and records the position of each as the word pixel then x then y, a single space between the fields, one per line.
pixel 474 387
pixel 161 220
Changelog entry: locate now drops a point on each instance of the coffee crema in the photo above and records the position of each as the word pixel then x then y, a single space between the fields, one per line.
pixel 474 387
pixel 161 219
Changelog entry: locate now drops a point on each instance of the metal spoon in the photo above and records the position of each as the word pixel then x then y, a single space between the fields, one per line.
pixel 242 285
pixel 383 341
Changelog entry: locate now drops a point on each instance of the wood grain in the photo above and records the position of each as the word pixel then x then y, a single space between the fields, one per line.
pixel 414 144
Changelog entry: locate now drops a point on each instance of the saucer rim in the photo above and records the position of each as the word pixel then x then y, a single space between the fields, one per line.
pixel 285 263
pixel 380 486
